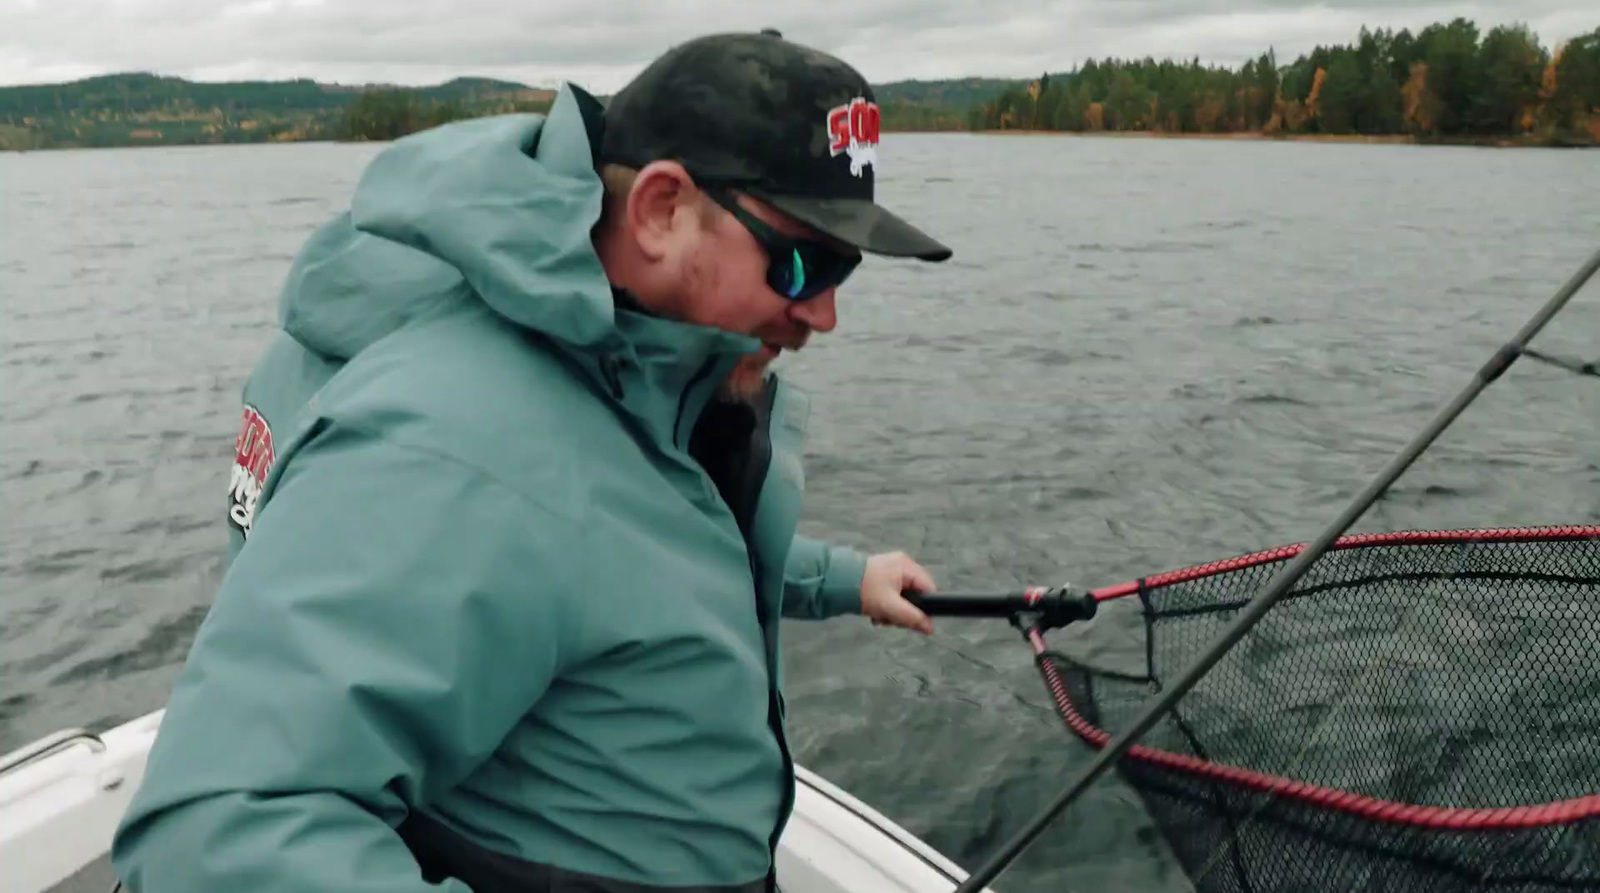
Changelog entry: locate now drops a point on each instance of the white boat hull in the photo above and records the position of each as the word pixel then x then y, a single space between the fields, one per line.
pixel 59 809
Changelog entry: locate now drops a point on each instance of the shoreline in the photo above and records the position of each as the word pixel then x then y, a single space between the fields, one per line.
pixel 1398 139
pixel 1500 142
pixel 1250 135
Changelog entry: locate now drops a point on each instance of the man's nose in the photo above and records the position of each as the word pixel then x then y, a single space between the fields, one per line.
pixel 816 313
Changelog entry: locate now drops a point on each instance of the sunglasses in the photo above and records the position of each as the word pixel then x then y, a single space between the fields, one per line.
pixel 798 269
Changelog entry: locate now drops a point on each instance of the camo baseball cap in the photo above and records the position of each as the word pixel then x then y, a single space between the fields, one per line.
pixel 784 123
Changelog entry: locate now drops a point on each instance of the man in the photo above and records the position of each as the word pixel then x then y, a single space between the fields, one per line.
pixel 514 505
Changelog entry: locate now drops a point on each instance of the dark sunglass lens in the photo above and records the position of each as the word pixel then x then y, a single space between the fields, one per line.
pixel 819 268
pixel 786 273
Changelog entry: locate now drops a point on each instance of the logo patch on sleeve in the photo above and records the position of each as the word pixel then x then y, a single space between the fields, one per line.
pixel 252 459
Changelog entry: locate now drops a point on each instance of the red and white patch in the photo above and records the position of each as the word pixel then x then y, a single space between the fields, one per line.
pixel 252 459
pixel 853 129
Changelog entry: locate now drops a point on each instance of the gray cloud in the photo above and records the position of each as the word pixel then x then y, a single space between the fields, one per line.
pixel 600 43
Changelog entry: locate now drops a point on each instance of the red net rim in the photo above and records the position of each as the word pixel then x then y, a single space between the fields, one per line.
pixel 1353 541
pixel 1442 817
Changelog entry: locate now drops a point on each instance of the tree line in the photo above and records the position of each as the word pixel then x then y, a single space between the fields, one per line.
pixel 391 114
pixel 145 109
pixel 1445 82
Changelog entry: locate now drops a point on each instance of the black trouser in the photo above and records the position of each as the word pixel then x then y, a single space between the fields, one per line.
pixel 442 853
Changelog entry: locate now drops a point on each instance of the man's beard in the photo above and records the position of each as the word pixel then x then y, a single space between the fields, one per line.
pixel 747 380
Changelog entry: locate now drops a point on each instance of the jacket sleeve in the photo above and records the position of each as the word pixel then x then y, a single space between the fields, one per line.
pixel 822 581
pixel 391 617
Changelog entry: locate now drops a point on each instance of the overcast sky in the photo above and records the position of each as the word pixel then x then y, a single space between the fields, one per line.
pixel 600 43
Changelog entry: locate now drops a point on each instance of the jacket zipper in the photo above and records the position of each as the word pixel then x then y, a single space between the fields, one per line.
pixel 774 720
pixel 683 400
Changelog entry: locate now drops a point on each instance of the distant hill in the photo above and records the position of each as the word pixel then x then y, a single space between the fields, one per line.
pixel 958 93
pixel 948 104
pixel 140 108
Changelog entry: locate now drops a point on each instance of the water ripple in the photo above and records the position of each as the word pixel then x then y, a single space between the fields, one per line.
pixel 1124 369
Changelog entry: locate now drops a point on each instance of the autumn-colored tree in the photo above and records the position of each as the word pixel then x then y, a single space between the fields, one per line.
pixel 1208 117
pixel 1094 119
pixel 1313 109
pixel 1421 105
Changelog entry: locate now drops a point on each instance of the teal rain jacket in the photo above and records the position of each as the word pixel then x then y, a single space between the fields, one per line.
pixel 487 616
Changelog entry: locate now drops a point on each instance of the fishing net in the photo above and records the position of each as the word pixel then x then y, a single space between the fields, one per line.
pixel 1420 712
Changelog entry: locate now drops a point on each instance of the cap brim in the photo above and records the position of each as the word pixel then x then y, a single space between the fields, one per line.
pixel 860 223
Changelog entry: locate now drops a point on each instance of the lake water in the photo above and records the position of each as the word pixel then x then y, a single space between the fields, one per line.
pixel 1145 354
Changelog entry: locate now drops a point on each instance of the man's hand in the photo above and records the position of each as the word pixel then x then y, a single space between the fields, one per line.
pixel 887 576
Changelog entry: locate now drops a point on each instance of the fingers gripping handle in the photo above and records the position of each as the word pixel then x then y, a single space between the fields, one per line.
pixel 1055 607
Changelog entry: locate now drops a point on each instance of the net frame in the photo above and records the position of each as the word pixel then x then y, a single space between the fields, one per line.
pixel 1272 791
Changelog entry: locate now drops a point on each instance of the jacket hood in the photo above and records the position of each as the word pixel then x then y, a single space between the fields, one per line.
pixel 497 210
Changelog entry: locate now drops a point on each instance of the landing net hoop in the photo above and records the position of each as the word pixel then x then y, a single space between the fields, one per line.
pixel 1260 807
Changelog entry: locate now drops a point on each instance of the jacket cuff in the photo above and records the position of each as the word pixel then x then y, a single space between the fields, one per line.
pixel 841 583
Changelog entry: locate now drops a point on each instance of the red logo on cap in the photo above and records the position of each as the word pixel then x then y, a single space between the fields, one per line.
pixel 853 129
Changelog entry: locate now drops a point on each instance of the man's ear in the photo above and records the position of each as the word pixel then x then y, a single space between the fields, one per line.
pixel 661 205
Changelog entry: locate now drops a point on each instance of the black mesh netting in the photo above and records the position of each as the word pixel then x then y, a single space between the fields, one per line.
pixel 1432 695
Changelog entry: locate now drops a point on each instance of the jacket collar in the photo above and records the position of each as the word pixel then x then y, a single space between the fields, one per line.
pixel 663 372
